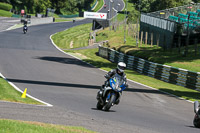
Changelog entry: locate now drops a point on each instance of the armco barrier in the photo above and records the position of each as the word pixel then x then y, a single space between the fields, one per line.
pixel 165 73
pixel 35 21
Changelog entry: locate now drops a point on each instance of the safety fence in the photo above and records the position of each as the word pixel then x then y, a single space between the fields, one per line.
pixel 165 73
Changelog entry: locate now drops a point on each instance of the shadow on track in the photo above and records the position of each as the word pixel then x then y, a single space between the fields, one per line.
pixel 137 90
pixel 64 60
pixel 54 83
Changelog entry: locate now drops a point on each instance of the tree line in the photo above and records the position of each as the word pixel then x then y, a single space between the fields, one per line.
pixel 156 5
pixel 60 6
pixel 74 6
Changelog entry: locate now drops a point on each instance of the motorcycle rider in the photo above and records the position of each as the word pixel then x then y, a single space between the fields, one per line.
pixel 25 26
pixel 120 71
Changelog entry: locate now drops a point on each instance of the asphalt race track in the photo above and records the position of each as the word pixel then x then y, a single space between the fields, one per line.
pixel 70 85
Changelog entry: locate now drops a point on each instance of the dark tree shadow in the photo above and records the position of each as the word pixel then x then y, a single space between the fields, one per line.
pixel 64 60
pixel 54 83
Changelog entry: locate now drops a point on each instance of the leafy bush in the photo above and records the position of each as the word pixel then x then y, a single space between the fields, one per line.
pixel 5 6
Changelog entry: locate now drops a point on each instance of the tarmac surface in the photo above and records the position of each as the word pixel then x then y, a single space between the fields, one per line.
pixel 6 22
pixel 70 85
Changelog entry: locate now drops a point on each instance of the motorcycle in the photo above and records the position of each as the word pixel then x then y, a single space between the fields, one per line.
pixel 25 28
pixel 196 120
pixel 111 94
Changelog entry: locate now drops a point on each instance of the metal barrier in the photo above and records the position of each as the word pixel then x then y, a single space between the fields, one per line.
pixel 165 73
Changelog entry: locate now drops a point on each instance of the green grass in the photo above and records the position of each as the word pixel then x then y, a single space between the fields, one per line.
pixel 78 36
pixel 67 19
pixel 8 93
pixel 12 126
pixel 4 13
pixel 62 19
pixel 116 41
pixel 121 15
pixel 94 1
pixel 99 5
pixel 155 54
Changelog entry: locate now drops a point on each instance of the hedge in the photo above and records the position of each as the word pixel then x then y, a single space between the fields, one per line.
pixel 5 6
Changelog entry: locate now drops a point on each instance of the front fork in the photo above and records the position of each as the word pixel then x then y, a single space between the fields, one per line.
pixel 118 95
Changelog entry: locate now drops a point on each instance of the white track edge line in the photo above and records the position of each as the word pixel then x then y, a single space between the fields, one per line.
pixel 16 88
pixel 107 71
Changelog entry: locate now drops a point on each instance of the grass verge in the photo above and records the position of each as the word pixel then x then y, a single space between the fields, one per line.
pixel 67 19
pixel 74 37
pixel 8 93
pixel 90 56
pixel 12 126
pixel 156 54
pixel 99 5
pixel 4 13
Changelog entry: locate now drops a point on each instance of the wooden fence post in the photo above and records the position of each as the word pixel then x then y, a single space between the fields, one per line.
pixel 152 39
pixel 141 38
pixel 146 36
pixel 157 39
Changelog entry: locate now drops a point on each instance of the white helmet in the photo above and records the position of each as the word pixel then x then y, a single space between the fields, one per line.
pixel 121 66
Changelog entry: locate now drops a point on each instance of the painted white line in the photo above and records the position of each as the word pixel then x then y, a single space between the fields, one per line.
pixel 124 5
pixel 65 52
pixel 107 71
pixel 11 27
pixel 95 6
pixel 16 88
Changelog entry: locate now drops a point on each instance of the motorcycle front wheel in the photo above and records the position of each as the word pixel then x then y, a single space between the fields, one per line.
pixel 110 102
pixel 99 106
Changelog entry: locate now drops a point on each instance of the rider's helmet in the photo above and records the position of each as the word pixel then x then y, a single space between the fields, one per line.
pixel 121 66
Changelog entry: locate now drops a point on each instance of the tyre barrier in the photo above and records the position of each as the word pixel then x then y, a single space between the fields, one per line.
pixel 169 74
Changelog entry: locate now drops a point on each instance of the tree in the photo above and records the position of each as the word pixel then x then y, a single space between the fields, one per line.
pixel 41 6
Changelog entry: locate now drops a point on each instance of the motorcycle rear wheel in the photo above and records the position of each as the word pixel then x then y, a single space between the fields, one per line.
pixel 196 123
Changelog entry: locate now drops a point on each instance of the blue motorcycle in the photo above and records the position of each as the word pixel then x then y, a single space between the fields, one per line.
pixel 111 94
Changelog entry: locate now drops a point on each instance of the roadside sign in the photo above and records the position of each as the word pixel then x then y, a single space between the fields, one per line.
pixel 95 15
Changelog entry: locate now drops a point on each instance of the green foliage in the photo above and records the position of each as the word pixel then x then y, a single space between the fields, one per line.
pixel 65 7
pixel 70 8
pixel 165 4
pixel 155 5
pixel 41 6
pixel 133 15
pixel 5 6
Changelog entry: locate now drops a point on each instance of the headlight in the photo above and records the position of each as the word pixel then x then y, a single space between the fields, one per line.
pixel 113 86
pixel 118 88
